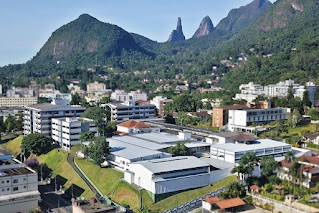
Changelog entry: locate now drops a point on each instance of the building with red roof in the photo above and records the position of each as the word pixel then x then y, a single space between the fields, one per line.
pixel 132 126
pixel 214 203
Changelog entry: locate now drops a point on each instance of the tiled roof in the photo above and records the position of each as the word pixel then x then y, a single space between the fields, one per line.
pixel 212 200
pixel 286 164
pixel 230 203
pixel 254 187
pixel 311 135
pixel 310 159
pixel 133 124
pixel 242 137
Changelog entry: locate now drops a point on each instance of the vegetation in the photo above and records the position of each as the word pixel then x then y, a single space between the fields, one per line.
pixel 233 190
pixel 14 146
pixel 98 150
pixel 178 150
pixel 36 143
pixel 246 165
pixel 98 115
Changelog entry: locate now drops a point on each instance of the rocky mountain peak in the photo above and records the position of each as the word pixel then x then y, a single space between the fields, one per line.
pixel 205 28
pixel 177 35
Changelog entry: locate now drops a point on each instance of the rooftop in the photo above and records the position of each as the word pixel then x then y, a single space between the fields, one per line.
pixel 133 124
pixel 230 203
pixel 242 137
pixel 236 106
pixel 52 107
pixel 257 144
pixel 172 164
pixel 129 151
pixel 212 200
pixel 220 164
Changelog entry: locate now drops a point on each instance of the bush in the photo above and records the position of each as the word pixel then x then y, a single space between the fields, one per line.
pixel 249 199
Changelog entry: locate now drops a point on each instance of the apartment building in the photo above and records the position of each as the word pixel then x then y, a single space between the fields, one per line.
pixel 66 131
pixel 18 186
pixel 120 95
pixel 138 95
pixel 160 102
pixel 240 119
pixel 122 111
pixel 18 101
pixel 220 114
pixel 96 86
pixel 37 118
pixel 249 92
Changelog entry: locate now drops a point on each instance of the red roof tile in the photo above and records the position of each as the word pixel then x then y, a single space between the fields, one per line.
pixel 242 137
pixel 133 124
pixel 254 187
pixel 230 203
pixel 212 200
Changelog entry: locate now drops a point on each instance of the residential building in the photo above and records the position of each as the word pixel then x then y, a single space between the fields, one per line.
pixel 310 166
pixel 37 118
pixel 56 96
pixel 160 102
pixel 132 126
pixel 163 177
pixel 120 96
pixel 312 88
pixel 76 89
pixel 122 111
pixel 18 101
pixel 232 152
pixel 242 119
pixel 311 137
pixel 138 95
pixel 13 111
pixel 92 87
pixel 66 131
pixel 214 103
pixel 21 92
pixel 0 89
pixel 220 114
pixel 249 92
pixel 92 206
pixel 18 186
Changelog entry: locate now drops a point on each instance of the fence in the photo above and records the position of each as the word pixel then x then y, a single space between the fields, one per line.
pixel 196 203
pixel 275 202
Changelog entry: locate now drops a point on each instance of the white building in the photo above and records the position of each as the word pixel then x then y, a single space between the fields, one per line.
pixel 160 102
pixel 66 131
pixel 132 126
pixel 18 186
pixel 37 118
pixel 161 177
pixel 120 95
pixel 21 92
pixel 56 96
pixel 241 119
pixel 122 111
pixel 249 92
pixel 138 95
pixel 18 101
pixel 76 89
pixel 233 152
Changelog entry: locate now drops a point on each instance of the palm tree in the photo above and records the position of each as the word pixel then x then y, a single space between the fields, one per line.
pixel 290 157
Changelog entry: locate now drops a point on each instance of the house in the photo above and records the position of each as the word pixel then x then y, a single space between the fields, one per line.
pixel 311 137
pixel 132 126
pixel 229 205
pixel 164 177
pixel 310 166
pixel 160 102
pixel 254 189
pixel 18 186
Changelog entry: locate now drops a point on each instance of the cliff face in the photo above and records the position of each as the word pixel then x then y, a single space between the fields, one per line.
pixel 177 35
pixel 205 28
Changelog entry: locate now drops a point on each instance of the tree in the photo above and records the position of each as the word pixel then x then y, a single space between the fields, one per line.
pixel 110 128
pixel 233 190
pixel 290 157
pixel 207 105
pixel 295 117
pixel 36 143
pixel 178 150
pixel 86 136
pixel 99 150
pixel 10 123
pixel 268 166
pixel 98 115
pixel 2 126
pixel 105 100
pixel 75 99
pixel 313 113
pixel 246 165
pixel 19 122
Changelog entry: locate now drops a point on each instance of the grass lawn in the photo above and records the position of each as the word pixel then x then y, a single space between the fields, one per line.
pixel 56 160
pixel 125 194
pixel 186 196
pixel 14 146
pixel 105 179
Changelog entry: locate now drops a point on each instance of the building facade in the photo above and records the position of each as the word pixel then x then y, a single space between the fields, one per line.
pixel 66 131
pixel 18 186
pixel 160 102
pixel 96 86
pixel 130 110
pixel 18 101
pixel 37 118
pixel 138 95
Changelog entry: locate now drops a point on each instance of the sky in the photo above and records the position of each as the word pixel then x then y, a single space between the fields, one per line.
pixel 27 24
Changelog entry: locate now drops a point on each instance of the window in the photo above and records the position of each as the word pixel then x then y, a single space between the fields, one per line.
pixel 25 187
pixel 2 182
pixel 15 181
pixel 3 190
pixel 15 188
pixel 8 181
pixel 8 189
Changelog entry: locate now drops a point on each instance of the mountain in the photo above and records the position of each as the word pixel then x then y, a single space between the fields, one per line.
pixel 177 35
pixel 205 28
pixel 87 38
pixel 238 19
